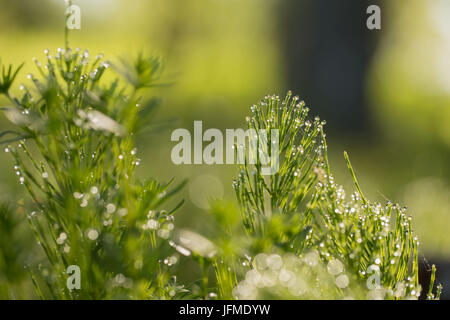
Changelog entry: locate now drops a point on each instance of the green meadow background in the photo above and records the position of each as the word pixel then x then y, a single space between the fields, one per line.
pixel 222 56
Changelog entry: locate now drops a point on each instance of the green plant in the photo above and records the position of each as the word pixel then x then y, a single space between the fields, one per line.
pixel 75 154
pixel 301 215
pixel 295 234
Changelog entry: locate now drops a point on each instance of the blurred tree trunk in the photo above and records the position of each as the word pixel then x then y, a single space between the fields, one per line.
pixel 327 50
pixel 29 14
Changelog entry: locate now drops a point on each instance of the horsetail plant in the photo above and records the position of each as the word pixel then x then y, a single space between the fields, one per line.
pixel 74 151
pixel 295 235
pixel 300 223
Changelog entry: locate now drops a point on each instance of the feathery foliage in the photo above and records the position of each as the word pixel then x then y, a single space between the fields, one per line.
pixel 74 152
pixel 295 235
pixel 299 223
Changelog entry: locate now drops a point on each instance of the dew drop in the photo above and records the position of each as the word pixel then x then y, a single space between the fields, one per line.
pixel 92 234
pixel 342 281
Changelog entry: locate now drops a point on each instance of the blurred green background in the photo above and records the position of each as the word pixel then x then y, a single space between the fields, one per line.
pixel 385 93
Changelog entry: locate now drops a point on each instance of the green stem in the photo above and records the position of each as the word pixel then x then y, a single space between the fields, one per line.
pixel 352 172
